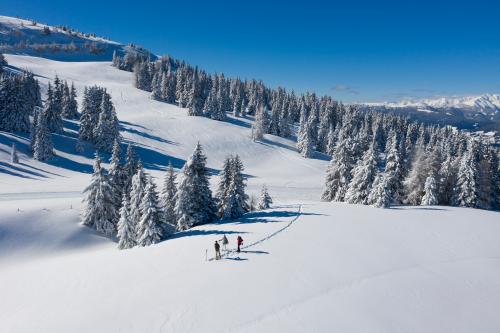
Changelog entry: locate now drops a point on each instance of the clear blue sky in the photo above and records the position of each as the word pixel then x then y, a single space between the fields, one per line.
pixel 352 50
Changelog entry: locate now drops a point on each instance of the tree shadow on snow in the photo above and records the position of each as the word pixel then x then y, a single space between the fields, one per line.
pixel 417 208
pixel 129 128
pixel 191 232
pixel 267 217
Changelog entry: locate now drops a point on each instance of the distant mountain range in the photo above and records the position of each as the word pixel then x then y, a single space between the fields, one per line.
pixel 469 112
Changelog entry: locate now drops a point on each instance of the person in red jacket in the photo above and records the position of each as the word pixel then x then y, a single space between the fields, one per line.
pixel 239 241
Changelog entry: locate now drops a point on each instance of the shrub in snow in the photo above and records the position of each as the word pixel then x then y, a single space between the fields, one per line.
pixel 265 199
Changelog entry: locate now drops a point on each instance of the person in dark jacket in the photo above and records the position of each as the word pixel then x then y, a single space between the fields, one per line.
pixel 217 250
pixel 239 241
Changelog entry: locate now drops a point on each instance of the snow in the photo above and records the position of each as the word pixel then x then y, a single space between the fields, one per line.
pixel 336 267
pixel 309 266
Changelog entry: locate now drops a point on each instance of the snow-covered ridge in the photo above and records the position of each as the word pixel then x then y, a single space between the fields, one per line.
pixel 478 112
pixel 480 103
pixel 27 37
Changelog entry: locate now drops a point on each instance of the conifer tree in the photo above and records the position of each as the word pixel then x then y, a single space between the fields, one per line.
pixel 70 105
pixel 126 227
pixel 53 110
pixel 42 145
pixel 149 230
pixel 338 174
pixel 381 195
pixel 129 169
pixel 168 195
pixel 430 197
pixel 258 125
pixel 363 176
pixel 466 188
pixel 194 203
pixel 139 183
pixel 116 174
pixel 265 200
pixel 100 210
pixel 106 131
pixel 224 183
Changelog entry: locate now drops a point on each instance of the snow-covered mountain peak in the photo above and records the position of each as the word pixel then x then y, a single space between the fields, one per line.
pixel 484 102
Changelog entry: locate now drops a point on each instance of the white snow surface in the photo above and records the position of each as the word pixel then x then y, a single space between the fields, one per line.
pixel 308 266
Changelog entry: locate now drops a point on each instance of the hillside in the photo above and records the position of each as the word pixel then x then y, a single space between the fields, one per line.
pixel 19 36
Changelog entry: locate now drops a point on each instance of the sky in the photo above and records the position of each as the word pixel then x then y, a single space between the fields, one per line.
pixel 352 50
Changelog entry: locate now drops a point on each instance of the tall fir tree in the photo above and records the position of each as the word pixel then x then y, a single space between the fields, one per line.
pixel 99 212
pixel 149 230
pixel 126 227
pixel 168 195
pixel 363 176
pixel 194 203
pixel 42 146
pixel 107 130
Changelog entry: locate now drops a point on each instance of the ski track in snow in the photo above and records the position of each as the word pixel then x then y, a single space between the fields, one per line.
pixel 262 240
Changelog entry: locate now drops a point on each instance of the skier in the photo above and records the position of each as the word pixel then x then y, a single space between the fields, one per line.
pixel 239 240
pixel 224 242
pixel 217 250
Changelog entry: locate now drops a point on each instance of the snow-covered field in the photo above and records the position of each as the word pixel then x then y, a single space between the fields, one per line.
pixel 314 267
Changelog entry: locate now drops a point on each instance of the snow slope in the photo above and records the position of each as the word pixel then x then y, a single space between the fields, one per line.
pixel 331 268
pixel 19 36
pixel 315 267
pixel 162 132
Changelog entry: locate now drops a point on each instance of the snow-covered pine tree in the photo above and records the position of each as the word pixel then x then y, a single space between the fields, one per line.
pixel 168 198
pixel 221 195
pixel 129 169
pixel 126 227
pixel 466 192
pixel 14 158
pixel 91 107
pixel 169 91
pixel 53 110
pixel 338 174
pixel 430 197
pixel 139 182
pixel 239 184
pixel 106 131
pixel 195 99
pixel 393 169
pixel 381 195
pixel 447 176
pixel 42 146
pixel 116 174
pixel 99 212
pixel 149 229
pixel 258 127
pixel 156 86
pixel 304 139
pixel 265 200
pixel 70 105
pixel 363 176
pixel 194 203
pixel 231 197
